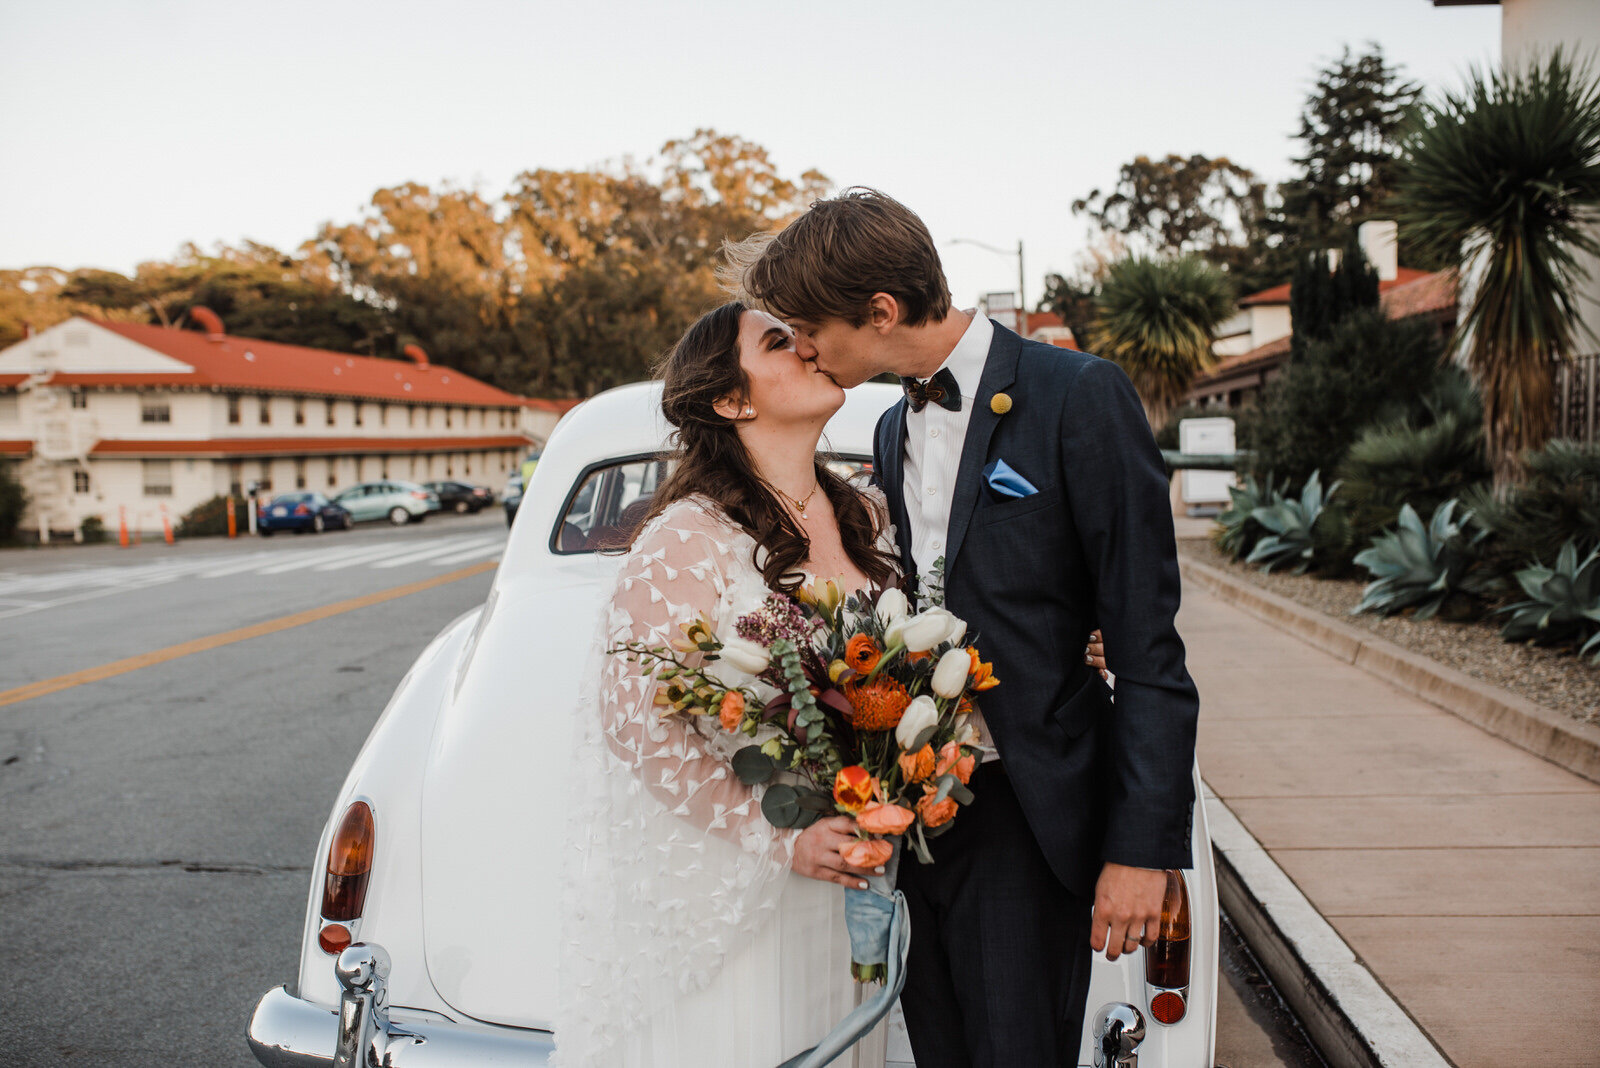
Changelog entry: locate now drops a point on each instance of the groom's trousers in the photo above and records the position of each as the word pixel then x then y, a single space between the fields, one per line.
pixel 1000 959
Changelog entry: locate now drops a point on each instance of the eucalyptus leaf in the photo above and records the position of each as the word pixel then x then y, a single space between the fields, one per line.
pixel 753 766
pixel 781 805
pixel 947 782
pixel 962 795
pixel 923 738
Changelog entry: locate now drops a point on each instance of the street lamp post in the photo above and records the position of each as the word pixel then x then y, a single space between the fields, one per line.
pixel 1022 296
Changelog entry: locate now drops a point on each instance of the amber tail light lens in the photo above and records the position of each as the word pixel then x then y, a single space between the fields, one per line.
pixel 1166 964
pixel 344 891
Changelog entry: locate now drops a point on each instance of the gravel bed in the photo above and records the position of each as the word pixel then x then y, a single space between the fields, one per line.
pixel 1557 681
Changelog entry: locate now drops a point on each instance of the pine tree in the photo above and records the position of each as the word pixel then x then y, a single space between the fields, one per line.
pixel 1319 298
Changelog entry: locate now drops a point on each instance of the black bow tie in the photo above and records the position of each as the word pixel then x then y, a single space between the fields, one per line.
pixel 941 389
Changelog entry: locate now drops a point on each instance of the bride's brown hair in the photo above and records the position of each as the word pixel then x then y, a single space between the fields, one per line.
pixel 711 460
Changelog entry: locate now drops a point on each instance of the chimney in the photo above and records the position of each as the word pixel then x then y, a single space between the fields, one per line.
pixel 1380 243
pixel 418 357
pixel 209 320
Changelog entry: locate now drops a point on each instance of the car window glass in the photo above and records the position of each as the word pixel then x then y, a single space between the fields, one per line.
pixel 608 505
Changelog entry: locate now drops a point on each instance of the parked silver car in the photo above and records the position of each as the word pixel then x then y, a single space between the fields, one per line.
pixel 390 498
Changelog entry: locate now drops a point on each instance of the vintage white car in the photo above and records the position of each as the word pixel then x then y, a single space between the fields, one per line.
pixel 432 918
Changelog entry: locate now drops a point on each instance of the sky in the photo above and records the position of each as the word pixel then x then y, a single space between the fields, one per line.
pixel 129 128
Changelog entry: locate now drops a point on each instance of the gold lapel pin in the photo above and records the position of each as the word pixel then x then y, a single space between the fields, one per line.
pixel 1000 404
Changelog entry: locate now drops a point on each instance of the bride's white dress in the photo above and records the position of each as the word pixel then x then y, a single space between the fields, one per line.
pixel 686 940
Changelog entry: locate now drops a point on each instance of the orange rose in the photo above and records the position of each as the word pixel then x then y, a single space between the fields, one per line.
pixel 862 653
pixel 951 760
pixel 853 787
pixel 884 819
pixel 867 853
pixel 935 813
pixel 917 766
pixel 731 712
pixel 982 673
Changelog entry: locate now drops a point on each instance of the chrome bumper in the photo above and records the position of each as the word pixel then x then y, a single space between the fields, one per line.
pixel 286 1032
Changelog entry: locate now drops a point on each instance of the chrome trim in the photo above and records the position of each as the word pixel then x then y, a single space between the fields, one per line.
pixel 1118 1030
pixel 286 1032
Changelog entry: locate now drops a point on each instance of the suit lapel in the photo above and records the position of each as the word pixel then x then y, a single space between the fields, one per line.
pixel 999 371
pixel 893 452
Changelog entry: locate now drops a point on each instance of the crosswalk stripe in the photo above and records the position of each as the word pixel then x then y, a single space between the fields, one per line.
pixel 365 556
pixel 236 564
pixel 308 558
pixel 440 549
pixel 495 546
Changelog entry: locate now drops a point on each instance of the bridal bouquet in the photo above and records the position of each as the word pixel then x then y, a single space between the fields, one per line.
pixel 869 719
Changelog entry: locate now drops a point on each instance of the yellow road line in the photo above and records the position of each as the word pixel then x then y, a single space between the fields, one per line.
pixel 228 637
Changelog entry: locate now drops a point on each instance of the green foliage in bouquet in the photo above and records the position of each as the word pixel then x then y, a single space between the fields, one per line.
pixel 1421 567
pixel 1291 526
pixel 1563 603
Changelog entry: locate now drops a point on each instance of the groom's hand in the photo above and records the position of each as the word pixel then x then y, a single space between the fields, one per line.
pixel 816 853
pixel 1127 909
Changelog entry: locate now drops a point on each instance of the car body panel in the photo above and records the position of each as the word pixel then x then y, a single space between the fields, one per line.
pixel 375 500
pixel 279 513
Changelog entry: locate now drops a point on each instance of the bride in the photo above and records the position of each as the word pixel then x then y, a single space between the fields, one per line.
pixel 693 931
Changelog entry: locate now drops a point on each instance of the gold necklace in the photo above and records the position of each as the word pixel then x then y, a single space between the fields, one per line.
pixel 800 505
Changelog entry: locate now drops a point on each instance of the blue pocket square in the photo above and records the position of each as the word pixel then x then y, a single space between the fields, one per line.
pixel 1007 483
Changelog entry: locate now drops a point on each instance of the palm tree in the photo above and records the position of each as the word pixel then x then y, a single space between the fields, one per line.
pixel 1506 175
pixel 1156 318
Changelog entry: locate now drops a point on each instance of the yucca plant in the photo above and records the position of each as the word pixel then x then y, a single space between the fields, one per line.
pixel 1563 602
pixel 1421 567
pixel 1237 529
pixel 1506 175
pixel 1291 527
pixel 1156 319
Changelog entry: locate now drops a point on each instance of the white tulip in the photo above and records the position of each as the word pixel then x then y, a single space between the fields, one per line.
pixel 919 715
pixel 892 605
pixel 922 632
pixel 950 677
pixel 746 655
pixel 958 630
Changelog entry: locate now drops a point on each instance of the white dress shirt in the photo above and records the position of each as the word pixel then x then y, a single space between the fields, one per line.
pixel 934 437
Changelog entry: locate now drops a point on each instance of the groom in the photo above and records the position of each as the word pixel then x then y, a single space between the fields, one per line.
pixel 1030 471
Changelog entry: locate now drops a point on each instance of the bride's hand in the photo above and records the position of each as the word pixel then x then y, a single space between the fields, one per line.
pixel 1095 654
pixel 816 853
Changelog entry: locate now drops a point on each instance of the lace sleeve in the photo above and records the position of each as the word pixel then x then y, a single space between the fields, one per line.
pixel 669 865
pixel 676 571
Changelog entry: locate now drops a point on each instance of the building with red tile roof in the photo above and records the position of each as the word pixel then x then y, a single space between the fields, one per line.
pixel 108 418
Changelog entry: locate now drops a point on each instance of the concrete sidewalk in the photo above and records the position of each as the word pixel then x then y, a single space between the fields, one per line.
pixel 1463 872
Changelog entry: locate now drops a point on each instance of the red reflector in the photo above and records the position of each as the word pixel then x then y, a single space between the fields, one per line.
pixel 1167 1007
pixel 301 509
pixel 1166 964
pixel 333 938
pixel 344 891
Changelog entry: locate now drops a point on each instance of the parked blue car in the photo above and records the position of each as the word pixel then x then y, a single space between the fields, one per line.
pixel 300 512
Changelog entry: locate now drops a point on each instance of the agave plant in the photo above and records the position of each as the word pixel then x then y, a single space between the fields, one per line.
pixel 1290 524
pixel 1420 566
pixel 1236 527
pixel 1563 602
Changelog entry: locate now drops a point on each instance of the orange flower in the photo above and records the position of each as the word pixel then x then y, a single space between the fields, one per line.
pixel 935 813
pixel 884 819
pixel 731 712
pixel 862 653
pixel 951 760
pixel 877 705
pixel 982 673
pixel 917 766
pixel 853 787
pixel 866 853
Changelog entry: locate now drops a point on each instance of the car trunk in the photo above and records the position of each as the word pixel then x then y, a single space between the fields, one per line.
pixel 493 804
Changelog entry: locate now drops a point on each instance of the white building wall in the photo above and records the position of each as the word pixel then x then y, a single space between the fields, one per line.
pixel 1268 322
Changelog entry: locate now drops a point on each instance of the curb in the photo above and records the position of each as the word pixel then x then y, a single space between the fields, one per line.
pixel 1525 724
pixel 1353 1021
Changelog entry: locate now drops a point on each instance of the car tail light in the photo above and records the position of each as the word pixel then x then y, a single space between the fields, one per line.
pixel 344 890
pixel 419 495
pixel 333 938
pixel 301 509
pixel 1166 964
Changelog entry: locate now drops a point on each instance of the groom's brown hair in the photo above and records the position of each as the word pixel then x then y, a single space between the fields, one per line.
pixel 828 263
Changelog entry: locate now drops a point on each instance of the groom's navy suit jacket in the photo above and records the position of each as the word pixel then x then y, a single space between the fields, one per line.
pixel 1098 780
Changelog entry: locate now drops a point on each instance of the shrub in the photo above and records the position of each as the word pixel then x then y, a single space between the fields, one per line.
pixel 1558 502
pixel 1290 524
pixel 1422 567
pixel 93 529
pixel 1563 603
pixel 210 518
pixel 1424 460
pixel 1368 369
pixel 13 501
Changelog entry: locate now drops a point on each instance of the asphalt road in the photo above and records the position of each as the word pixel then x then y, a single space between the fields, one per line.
pixel 159 822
